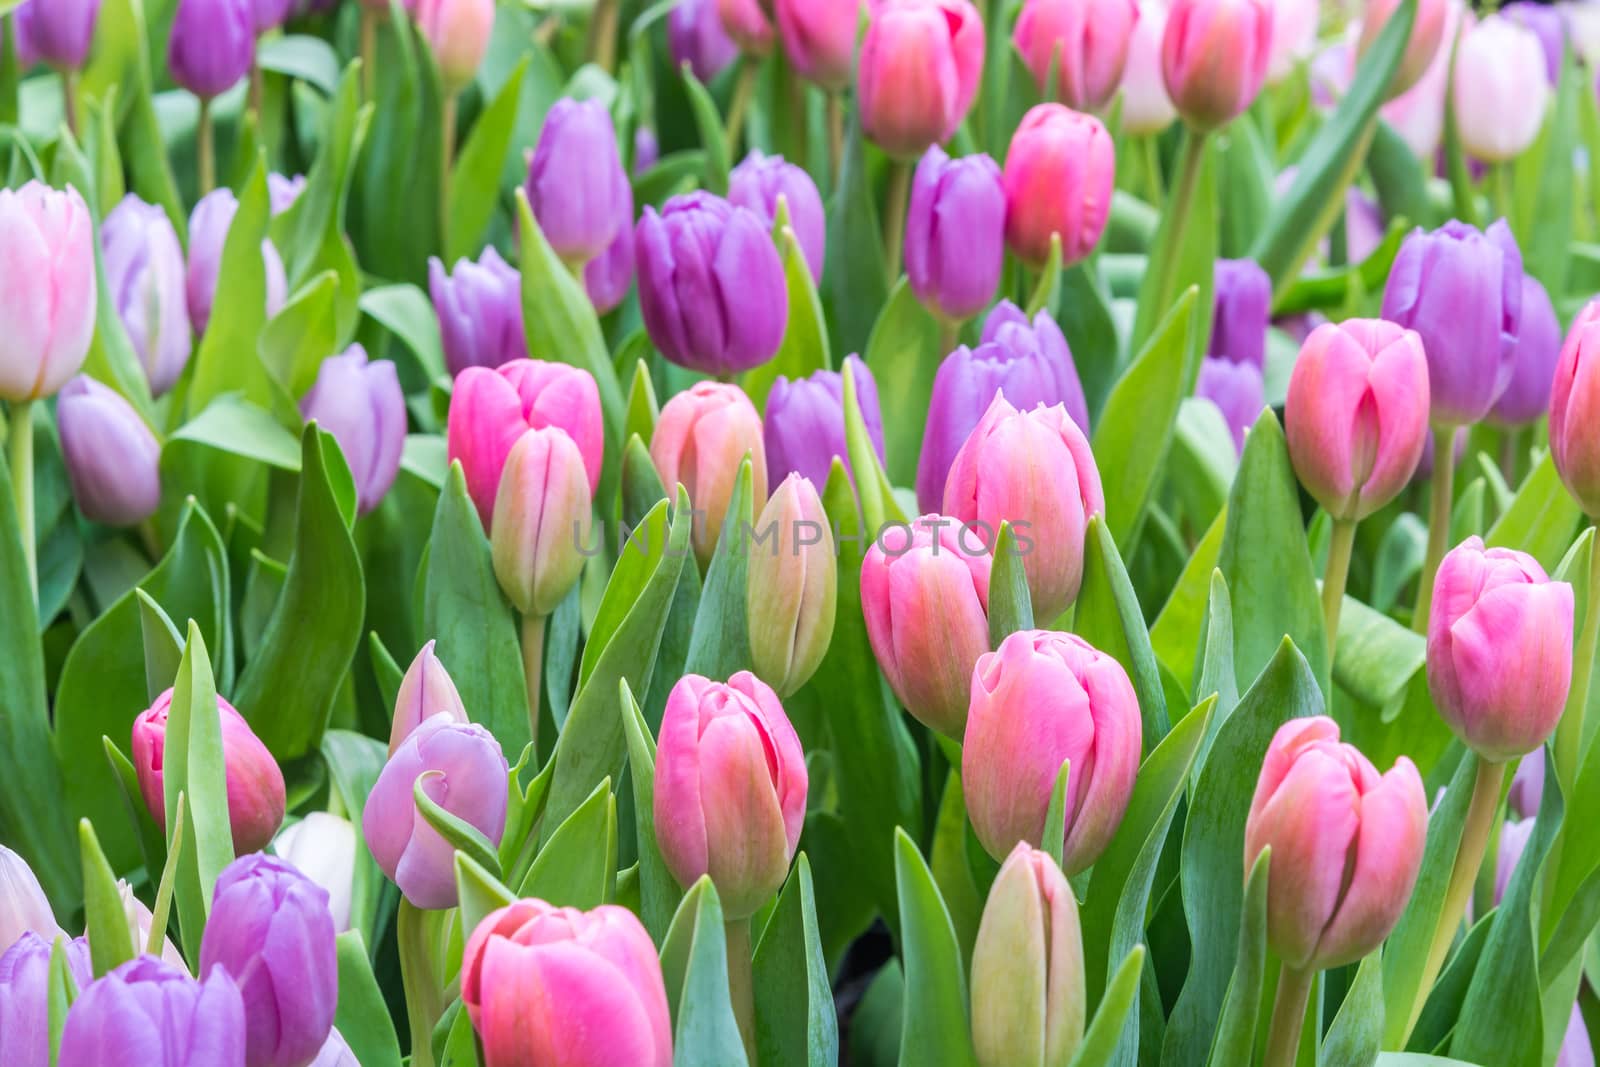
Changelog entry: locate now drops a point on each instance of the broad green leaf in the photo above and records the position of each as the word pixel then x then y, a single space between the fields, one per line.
pixel 1115 1014
pixel 577 864
pixel 1177 631
pixel 297 340
pixel 658 890
pixel 1542 519
pixel 904 349
pixel 1236 1027
pixel 309 59
pixel 694 961
pixel 1109 617
pixel 480 892
pixel 163 645
pixel 362 1017
pixel 234 426
pixel 152 844
pixel 1010 603
pixel 1357 1031
pixel 406 312
pixel 475 182
pixel 856 271
pixel 719 646
pixel 223 361
pixel 1376 657
pixel 795 1018
pixel 805 338
pixel 935 1029
pixel 110 942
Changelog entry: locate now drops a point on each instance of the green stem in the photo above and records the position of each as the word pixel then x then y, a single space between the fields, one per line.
pixel 894 218
pixel 20 445
pixel 69 99
pixel 741 982
pixel 1570 731
pixel 1152 162
pixel 744 91
pixel 418 980
pixel 1335 577
pixel 1178 204
pixel 602 46
pixel 447 134
pixel 949 336
pixel 1500 190
pixel 1288 1015
pixel 369 53
pixel 205 147
pixel 533 627
pixel 1439 505
pixel 258 90
pixel 835 136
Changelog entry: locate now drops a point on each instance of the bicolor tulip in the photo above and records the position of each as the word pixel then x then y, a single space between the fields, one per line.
pixel 59 32
pixel 323 848
pixel 1427 37
pixel 921 61
pixel 1085 44
pixel 145 273
pixel 480 312
pixel 112 458
pixel 1146 107
pixel 426 690
pixel 695 36
pixel 804 426
pixel 542 516
pixel 360 403
pixel 1500 92
pixel 1008 327
pixel 1575 410
pixel 760 180
pixel 701 438
pixel 25 994
pixel 23 906
pixel 151 1013
pixel 1533 364
pixel 212 46
pixel 819 39
pixel 458 32
pixel 792 586
pixel 955 233
pixel 748 24
pixel 48 278
pixel 1058 181
pixel 1243 311
pixel 576 185
pixel 208 233
pixel 1234 389
pixel 1214 58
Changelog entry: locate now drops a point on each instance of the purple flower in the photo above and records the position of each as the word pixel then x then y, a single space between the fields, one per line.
pixel 609 276
pixel 1549 24
pixel 1533 368
pixel 1236 390
pixel 646 150
pixel 269 14
pixel 695 36
pixel 24 993
pixel 955 233
pixel 480 312
pixel 1243 305
pixel 757 183
pixel 112 458
pixel 1527 785
pixel 576 185
pixel 284 191
pixel 804 425
pixel 361 404
pixel 208 233
pixel 150 1013
pixel 146 275
pixel 213 45
pixel 335 1052
pixel 1008 326
pixel 56 31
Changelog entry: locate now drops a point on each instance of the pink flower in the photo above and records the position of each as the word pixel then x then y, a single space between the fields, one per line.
pixel 921 62
pixel 458 32
pixel 1575 410
pixel 1427 37
pixel 1084 41
pixel 1214 57
pixel 1146 107
pixel 1058 181
pixel 746 22
pixel 819 38
pixel 700 440
pixel 47 278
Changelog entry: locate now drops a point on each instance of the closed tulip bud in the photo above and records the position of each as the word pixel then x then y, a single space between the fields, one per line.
pixel 1214 58
pixel 255 784
pixel 730 789
pixel 955 233
pixel 270 929
pixel 760 180
pixel 112 457
pixel 700 440
pixel 1146 107
pixel 542 983
pixel 804 425
pixel 1357 414
pixel 480 312
pixel 466 775
pixel 1460 289
pixel 819 39
pixel 608 277
pixel 1346 844
pixel 711 285
pixel 1043 342
pixel 1237 391
pixel 925 597
pixel 47 277
pixel 458 32
pixel 361 404
pixel 1043 698
pixel 542 516
pixel 149 1012
pixel 1575 410
pixel 1549 24
pixel 1028 1003
pixel 283 191
pixel 747 24
pixel 1085 44
pixel 921 61
pixel 490 410
pixel 695 36
pixel 1533 363
pixel 1499 91
pixel 25 995
pixel 145 271
pixel 140 921
pixel 576 185
pixel 1427 37
pixel 1294 35
pixel 1243 312
pixel 269 14
pixel 646 150
pixel 1527 786
pixel 23 906
pixel 1033 469
pixel 58 31
pixel 1499 649
pixel 1058 182
pixel 792 587
pixel 212 46
pixel 426 690
pixel 323 848
pixel 208 233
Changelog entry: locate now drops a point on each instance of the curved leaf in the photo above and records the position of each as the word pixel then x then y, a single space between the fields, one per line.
pixel 935 1030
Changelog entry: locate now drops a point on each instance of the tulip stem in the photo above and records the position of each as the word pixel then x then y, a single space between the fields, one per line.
pixel 533 627
pixel 949 335
pixel 369 50
pixel 1443 493
pixel 602 46
pixel 1152 162
pixel 741 981
pixel 894 219
pixel 1570 731
pixel 20 444
pixel 1335 577
pixel 447 134
pixel 258 89
pixel 1288 1015
pixel 835 135
pixel 1177 209
pixel 418 980
pixel 744 90
pixel 206 148
pixel 69 99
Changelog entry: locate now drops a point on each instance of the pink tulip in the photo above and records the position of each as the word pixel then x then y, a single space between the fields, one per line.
pixel 1214 58
pixel 1500 92
pixel 1146 107
pixel 542 516
pixel 491 409
pixel 730 789
pixel 1035 470
pixel 426 690
pixel 1417 114
pixel 255 783
pixel 1499 649
pixel 1294 35
pixel 1427 37
pixel 548 985
pixel 47 283
pixel 1084 41
pixel 700 440
pixel 1346 844
pixel 1357 414
pixel 747 23
pixel 1040 699
pixel 925 595
pixel 819 38
pixel 1058 181
pixel 458 32
pixel 1575 410
pixel 921 62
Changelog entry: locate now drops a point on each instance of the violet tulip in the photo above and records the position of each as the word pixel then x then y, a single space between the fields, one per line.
pixel 701 438
pixel 59 32
pixel 322 847
pixel 819 39
pixel 921 61
pixel 425 690
pixel 1214 58
pixel 1243 311
pixel 1234 389
pixel 955 233
pixel 792 586
pixel 1146 107
pixel 1499 93
pixel 1085 44
pixel 542 515
pixel 480 312
pixel 48 280
pixel 25 995
pixel 212 46
pixel 1533 363
pixel 1008 327
pixel 458 32
pixel 153 1014
pixel 360 403
pixel 609 276
pixel 804 426
pixel 283 191
pixel 760 180
pixel 269 14
pixel 112 458
pixel 208 233
pixel 1549 24
pixel 23 906
pixel 1058 182
pixel 695 36
pixel 576 185
pixel 1575 410
pixel 145 273
pixel 748 24
pixel 1427 37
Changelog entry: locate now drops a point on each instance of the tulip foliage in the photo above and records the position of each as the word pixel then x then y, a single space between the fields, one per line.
pixel 779 533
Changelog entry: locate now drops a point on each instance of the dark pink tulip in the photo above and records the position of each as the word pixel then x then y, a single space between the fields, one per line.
pixel 1427 37
pixel 1214 57
pixel 1084 41
pixel 819 39
pixel 1058 181
pixel 920 65
pixel 1575 410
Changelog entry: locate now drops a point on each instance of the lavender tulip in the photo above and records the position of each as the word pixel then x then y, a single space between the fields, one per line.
pixel 58 31
pixel 695 36
pixel 335 1053
pixel 1243 309
pixel 23 906
pixel 268 15
pixel 759 181
pixel 113 460
pixel 1533 369
pixel 361 404
pixel 1008 326
pixel 646 150
pixel 208 234
pixel 283 191
pixel 955 243
pixel 24 996
pixel 1236 391
pixel 151 1013
pixel 804 426
pixel 480 312
pixel 576 185
pixel 213 45
pixel 609 276
pixel 145 272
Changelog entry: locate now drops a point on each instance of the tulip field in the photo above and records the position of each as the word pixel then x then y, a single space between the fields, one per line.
pixel 799 533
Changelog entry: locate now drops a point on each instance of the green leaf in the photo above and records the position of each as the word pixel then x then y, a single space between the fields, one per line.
pixel 878 504
pixel 362 1017
pixel 795 1018
pixel 1376 657
pixel 856 272
pixel 643 410
pixel 658 890
pixel 110 942
pixel 719 646
pixel 1111 1019
pixel 1177 631
pixel 308 59
pixel 480 892
pixel 905 348
pixel 1543 183
pixel 163 645
pixel 236 427
pixel 161 912
pixel 1010 602
pixel 1047 293
pixel 805 338
pixel 935 1030
pixel 1055 814
pixel 61 991
pixel 1109 617
pixel 1357 1031
pixel 1542 519
pixel 475 183
pixel 221 363
pixel 152 841
pixel 578 864
pixel 694 960
pixel 1183 255
pixel 708 121
pixel 1216 652
pixel 457 832
pixel 297 340
pixel 1236 1027
pixel 406 312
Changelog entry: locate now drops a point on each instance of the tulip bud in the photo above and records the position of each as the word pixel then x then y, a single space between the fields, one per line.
pixel 1499 649
pixel 1028 1004
pixel 576 185
pixel 140 921
pixel 804 426
pixel 149 1012
pixel 426 690
pixel 747 24
pixel 1427 36
pixel 1574 440
pixel 955 233
pixel 1035 470
pixel 1085 43
pixel 1294 35
pixel 1549 25
pixel 23 906
pixel 792 588
pixel 480 312
pixel 112 457
pixel 1533 363
pixel 1146 107
pixel 1237 391
pixel 819 39
pixel 700 440
pixel 760 180
pixel 25 995
pixel 466 775
pixel 490 410
pixel 145 272
pixel 695 36
pixel 1461 291
pixel 1214 58
pixel 48 280
pixel 284 191
pixel 1058 182
pixel 208 233
pixel 542 516
pixel 1346 844
pixel 711 285
pixel 323 848
pixel 1527 786
pixel 1243 310
pixel 58 31
pixel 921 61
pixel 1043 698
pixel 1499 91
pixel 361 404
pixel 1008 326
pixel 608 277
pixel 255 784
pixel 646 154
pixel 730 789
pixel 335 1052
pixel 925 597
pixel 1357 414
pixel 212 46
pixel 269 14
pixel 458 32
pixel 542 983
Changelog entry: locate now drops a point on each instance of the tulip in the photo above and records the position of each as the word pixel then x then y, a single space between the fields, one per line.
pixel 1356 418
pixel 58 31
pixel 140 921
pixel 925 598
pixel 921 61
pixel 426 690
pixel 792 587
pixel 480 312
pixel 268 15
pixel 711 285
pixel 1235 390
pixel 112 457
pixel 701 438
pixel 491 409
pixel 48 278
pixel 27 55
pixel 1533 363
pixel 646 152
pixel 695 36
pixel 1294 35
pixel 1427 36
pixel 760 180
pixel 23 906
pixel 804 427
pixel 1146 107
pixel 819 39
pixel 1243 312
pixel 543 984
pixel 1214 58
pixel 458 32
pixel 746 23
pixel 1461 291
pixel 542 515
pixel 361 404
pixel 323 848
pixel 1043 698
pixel 576 185
pixel 1417 114
pixel 1575 409
pixel 335 1052
pixel 1035 470
pixel 1514 837
pixel 269 928
pixel 1084 42
pixel 463 770
pixel 1008 326
pixel 1499 91
pixel 1549 24
pixel 1527 786
pixel 208 232
pixel 1028 1004
pixel 1058 183
pixel 730 789
pixel 213 45
pixel 25 992
pixel 284 191
pixel 955 233
pixel 145 272
pixel 153 1014
pixel 255 784
pixel 608 277
pixel 1499 649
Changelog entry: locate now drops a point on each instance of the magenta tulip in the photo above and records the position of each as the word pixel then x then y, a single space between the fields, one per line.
pixel 1085 42
pixel 1058 182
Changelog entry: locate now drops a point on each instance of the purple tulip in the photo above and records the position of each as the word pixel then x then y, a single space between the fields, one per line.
pixel 609 276
pixel 1527 785
pixel 1547 23
pixel 1243 307
pixel 1461 290
pixel 480 312
pixel 23 906
pixel 646 150
pixel 56 31
pixel 284 191
pixel 1533 368
pixel 213 45
pixel 361 404
pixel 208 233
pixel 145 273
pixel 955 242
pixel 24 1006
pixel 804 426
pixel 759 181
pixel 335 1053
pixel 1576 1048
pixel 112 458
pixel 711 285
pixel 576 185
pixel 1007 326
pixel 269 14
pixel 695 36
pixel 1236 390
pixel 150 1013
